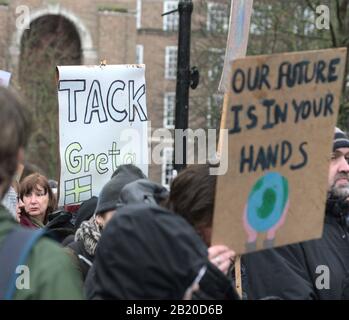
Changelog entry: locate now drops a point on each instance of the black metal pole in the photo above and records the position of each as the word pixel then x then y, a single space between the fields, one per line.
pixel 185 9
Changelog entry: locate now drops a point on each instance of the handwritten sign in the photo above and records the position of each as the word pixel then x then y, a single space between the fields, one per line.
pixel 4 78
pixel 280 115
pixel 102 125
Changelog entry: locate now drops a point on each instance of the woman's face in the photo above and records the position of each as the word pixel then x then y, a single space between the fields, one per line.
pixel 36 202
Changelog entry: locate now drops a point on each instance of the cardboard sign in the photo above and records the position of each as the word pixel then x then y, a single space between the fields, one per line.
pixel 4 78
pixel 280 115
pixel 102 125
pixel 239 29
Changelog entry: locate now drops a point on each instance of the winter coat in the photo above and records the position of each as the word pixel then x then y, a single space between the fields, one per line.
pixel 313 269
pixel 84 259
pixel 60 225
pixel 147 252
pixel 52 272
pixel 85 244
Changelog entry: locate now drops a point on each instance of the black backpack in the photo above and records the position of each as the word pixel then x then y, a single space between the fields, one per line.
pixel 14 251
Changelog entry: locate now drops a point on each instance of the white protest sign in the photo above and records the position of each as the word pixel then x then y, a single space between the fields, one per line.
pixel 239 28
pixel 5 78
pixel 102 125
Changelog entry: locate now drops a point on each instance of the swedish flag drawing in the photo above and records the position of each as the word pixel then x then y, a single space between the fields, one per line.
pixel 78 189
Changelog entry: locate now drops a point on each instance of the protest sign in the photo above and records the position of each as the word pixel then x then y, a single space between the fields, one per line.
pixel 102 125
pixel 280 114
pixel 4 78
pixel 239 29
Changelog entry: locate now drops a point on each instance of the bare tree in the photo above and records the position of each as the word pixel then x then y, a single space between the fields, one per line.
pixel 276 26
pixel 50 41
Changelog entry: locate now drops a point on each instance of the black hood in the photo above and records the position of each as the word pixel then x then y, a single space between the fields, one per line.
pixel 110 193
pixel 142 191
pixel 85 212
pixel 147 252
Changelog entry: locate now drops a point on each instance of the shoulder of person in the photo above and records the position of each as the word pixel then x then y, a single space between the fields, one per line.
pixel 53 272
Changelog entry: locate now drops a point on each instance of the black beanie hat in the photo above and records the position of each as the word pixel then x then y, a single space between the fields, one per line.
pixel 85 211
pixel 110 193
pixel 341 140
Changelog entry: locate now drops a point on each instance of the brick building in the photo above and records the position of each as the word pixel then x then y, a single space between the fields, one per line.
pixel 127 31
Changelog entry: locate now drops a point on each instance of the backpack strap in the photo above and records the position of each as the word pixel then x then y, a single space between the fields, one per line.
pixel 14 251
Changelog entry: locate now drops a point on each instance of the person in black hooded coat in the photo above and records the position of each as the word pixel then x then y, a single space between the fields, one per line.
pixel 147 252
pixel 192 196
pixel 88 234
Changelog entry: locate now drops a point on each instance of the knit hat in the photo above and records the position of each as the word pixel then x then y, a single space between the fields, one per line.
pixel 111 191
pixel 142 191
pixel 341 139
pixel 86 211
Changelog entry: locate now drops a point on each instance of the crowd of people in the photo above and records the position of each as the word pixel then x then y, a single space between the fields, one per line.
pixel 137 240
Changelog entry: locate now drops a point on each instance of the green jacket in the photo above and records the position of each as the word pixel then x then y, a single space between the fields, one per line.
pixel 53 274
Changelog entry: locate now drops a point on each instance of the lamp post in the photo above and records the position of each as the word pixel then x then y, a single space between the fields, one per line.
pixel 186 77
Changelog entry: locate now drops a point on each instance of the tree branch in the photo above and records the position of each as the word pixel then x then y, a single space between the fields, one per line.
pixel 310 5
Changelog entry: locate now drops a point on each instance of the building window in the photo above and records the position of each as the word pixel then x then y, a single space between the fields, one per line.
pixel 214 111
pixel 261 20
pixel 139 54
pixel 169 110
pixel 139 14
pixel 215 63
pixel 170 21
pixel 167 167
pixel 307 22
pixel 217 17
pixel 171 63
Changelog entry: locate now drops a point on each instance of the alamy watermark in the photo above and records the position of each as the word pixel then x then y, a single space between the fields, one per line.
pixel 322 17
pixel 23 17
pixel 323 280
pixel 23 278
pixel 199 145
pixel 322 20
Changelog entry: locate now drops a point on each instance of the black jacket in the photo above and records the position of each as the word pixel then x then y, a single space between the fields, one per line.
pixel 147 252
pixel 299 271
pixel 85 260
pixel 60 225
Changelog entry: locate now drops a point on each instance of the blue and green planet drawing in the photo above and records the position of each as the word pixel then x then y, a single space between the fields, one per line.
pixel 266 209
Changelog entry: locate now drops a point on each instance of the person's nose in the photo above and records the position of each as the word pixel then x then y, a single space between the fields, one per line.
pixel 343 166
pixel 33 198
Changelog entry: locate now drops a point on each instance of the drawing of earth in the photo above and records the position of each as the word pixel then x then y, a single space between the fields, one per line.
pixel 267 201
